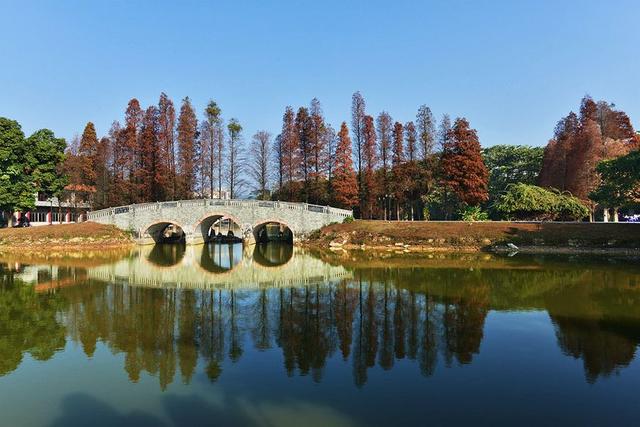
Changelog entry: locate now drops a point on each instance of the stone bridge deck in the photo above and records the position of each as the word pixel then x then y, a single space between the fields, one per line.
pixel 195 217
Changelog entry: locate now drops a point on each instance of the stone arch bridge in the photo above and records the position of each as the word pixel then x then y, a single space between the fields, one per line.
pixel 148 221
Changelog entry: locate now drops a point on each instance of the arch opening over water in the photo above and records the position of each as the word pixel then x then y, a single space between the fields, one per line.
pixel 272 231
pixel 219 227
pixel 166 232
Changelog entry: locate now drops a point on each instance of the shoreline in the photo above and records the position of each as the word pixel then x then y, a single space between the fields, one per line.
pixel 500 237
pixel 86 236
pixel 422 249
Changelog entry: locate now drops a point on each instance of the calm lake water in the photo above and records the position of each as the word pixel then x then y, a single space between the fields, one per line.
pixel 221 335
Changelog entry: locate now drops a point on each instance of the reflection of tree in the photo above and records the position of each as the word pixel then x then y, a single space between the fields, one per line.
pixel 429 349
pixel 235 341
pixel 386 345
pixel 163 331
pixel 305 330
pixel 28 322
pixel 366 342
pixel 412 332
pixel 399 325
pixel 261 331
pixel 604 347
pixel 345 303
pixel 597 319
pixel 187 342
pixel 428 315
pixel 463 322
pixel 212 332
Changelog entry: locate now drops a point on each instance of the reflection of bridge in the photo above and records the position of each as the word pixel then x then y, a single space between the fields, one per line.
pixel 193 269
pixel 195 217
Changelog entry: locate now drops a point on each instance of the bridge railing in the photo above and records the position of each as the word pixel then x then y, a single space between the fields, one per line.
pixel 266 204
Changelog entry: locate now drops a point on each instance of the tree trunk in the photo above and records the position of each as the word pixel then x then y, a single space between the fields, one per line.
pixel 384 208
pixel 605 215
pixel 615 214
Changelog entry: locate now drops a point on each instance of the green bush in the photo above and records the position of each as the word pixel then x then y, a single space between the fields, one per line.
pixel 530 202
pixel 347 220
pixel 570 208
pixel 474 213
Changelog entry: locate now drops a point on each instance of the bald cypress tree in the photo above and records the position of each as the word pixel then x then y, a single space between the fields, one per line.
pixel 166 134
pixel 385 123
pixel 187 132
pixel 463 171
pixel 290 154
pixel 398 144
pixel 304 131
pixel 344 183
pixel 87 151
pixel 357 127
pixel 411 137
pixel 398 171
pixel 369 160
pixel 426 131
pixel 260 164
pixel 151 190
pixel 580 142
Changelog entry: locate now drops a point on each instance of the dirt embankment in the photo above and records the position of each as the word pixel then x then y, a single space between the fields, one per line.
pixel 86 235
pixel 405 236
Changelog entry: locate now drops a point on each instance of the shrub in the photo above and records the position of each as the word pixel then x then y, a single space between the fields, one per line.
pixel 570 208
pixel 474 213
pixel 530 202
pixel 347 220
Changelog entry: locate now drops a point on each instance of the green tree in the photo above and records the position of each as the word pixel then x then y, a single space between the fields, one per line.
pixel 511 164
pixel 47 156
pixel 29 322
pixel 28 166
pixel 234 161
pixel 620 182
pixel 212 152
pixel 16 183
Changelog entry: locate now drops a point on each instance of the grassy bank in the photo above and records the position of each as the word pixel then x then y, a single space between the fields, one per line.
pixel 87 235
pixel 468 236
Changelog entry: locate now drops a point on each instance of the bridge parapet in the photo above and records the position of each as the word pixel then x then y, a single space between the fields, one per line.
pixel 300 218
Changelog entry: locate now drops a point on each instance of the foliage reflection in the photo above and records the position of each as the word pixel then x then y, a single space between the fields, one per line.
pixel 434 317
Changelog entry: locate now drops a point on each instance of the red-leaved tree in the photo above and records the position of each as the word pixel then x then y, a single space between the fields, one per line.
pixel 369 160
pixel 463 171
pixel 345 184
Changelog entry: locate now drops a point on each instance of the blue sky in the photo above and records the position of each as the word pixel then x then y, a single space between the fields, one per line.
pixel 513 68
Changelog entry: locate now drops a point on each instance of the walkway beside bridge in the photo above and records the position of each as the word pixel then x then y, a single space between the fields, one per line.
pixel 149 221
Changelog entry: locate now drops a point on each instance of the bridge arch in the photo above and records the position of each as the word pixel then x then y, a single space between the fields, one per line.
pixel 272 229
pixel 204 224
pixel 164 231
